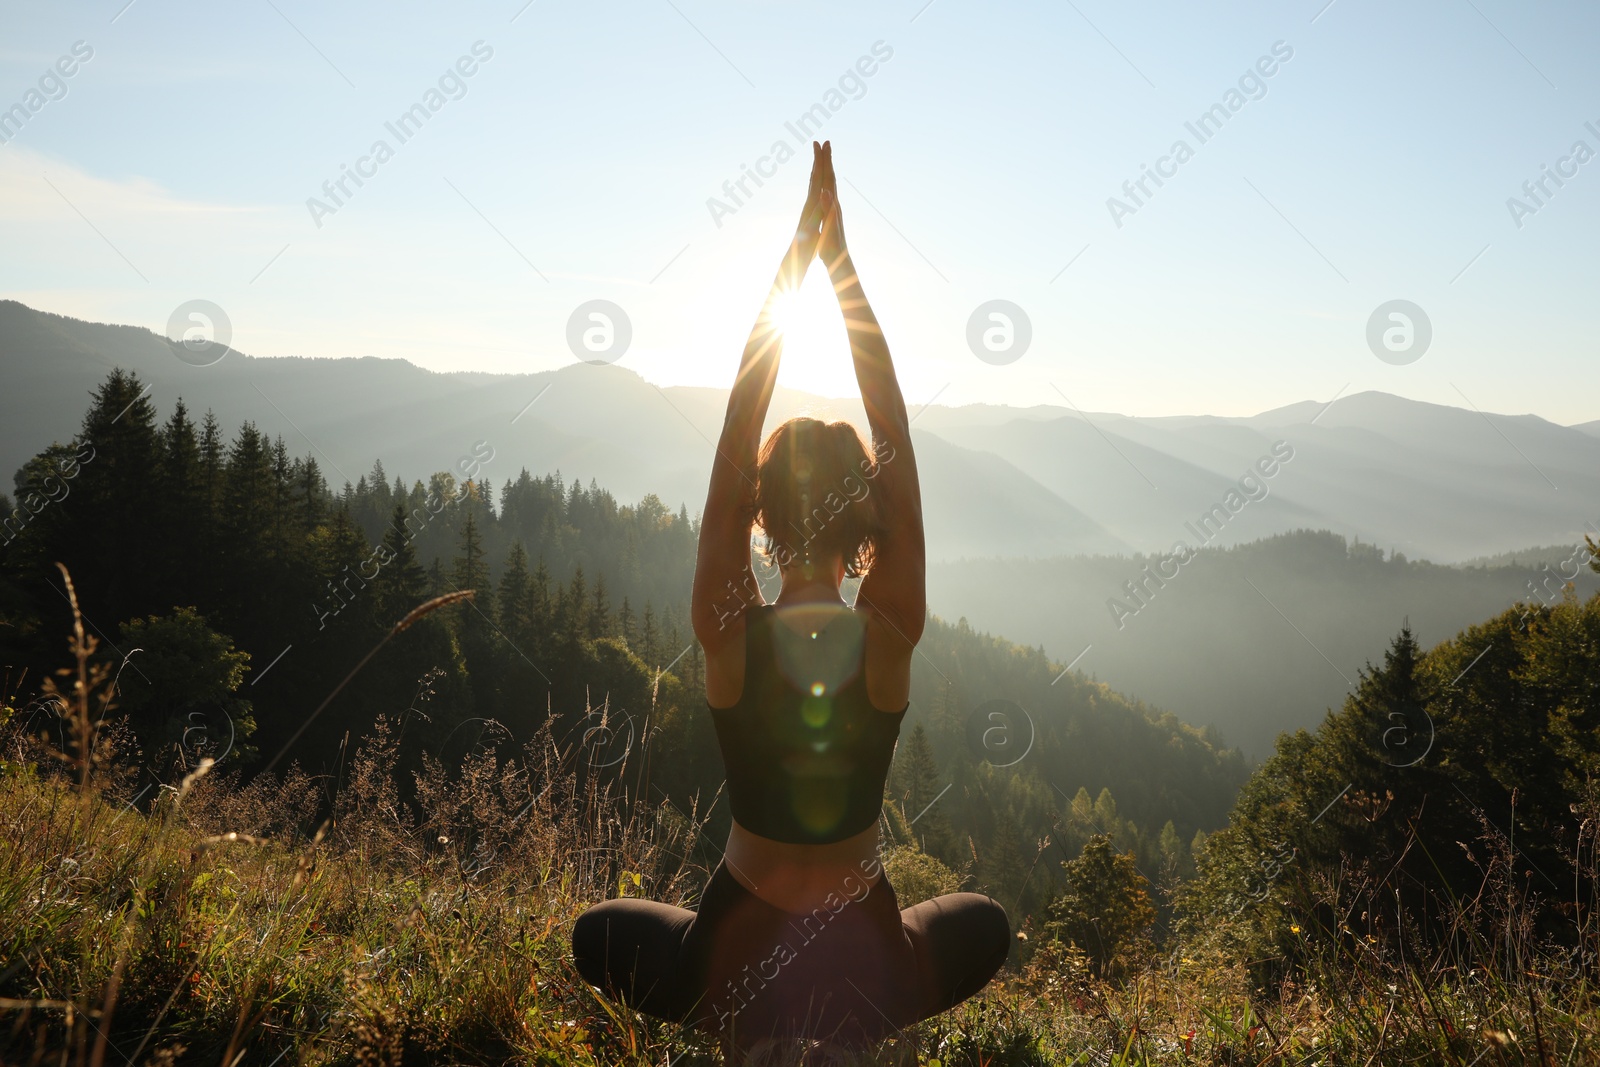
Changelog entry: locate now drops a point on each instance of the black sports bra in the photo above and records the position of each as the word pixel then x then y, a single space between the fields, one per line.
pixel 806 752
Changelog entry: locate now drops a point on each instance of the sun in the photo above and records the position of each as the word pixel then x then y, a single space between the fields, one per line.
pixel 787 311
pixel 816 345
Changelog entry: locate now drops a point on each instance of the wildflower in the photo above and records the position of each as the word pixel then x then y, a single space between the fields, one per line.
pixel 1294 929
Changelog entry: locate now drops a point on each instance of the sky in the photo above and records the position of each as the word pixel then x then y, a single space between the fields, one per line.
pixel 982 151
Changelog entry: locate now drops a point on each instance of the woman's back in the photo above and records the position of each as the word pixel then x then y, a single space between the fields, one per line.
pixel 806 751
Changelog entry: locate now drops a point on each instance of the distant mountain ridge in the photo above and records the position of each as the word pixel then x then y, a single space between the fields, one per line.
pixel 1037 519
pixel 998 482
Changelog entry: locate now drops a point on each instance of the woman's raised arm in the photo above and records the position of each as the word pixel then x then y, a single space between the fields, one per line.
pixel 895 587
pixel 723 583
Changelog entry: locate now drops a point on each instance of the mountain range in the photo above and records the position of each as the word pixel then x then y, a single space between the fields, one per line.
pixel 1428 480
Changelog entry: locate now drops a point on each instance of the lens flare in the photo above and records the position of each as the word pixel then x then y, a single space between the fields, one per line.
pixel 818 645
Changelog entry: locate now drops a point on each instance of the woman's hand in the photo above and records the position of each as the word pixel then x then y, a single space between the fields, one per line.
pixel 808 233
pixel 831 246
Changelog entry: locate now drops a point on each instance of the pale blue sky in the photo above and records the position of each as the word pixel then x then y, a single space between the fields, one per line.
pixel 1376 166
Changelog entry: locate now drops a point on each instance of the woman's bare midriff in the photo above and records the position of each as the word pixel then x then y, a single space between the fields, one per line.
pixel 800 878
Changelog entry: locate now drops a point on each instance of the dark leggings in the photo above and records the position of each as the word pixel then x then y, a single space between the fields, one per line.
pixel 853 970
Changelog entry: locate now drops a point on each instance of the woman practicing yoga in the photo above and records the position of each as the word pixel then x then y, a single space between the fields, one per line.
pixel 798 933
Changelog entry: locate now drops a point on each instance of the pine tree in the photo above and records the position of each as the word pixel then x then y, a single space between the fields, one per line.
pixel 625 623
pixel 1105 815
pixel 599 622
pixel 212 460
pixel 106 530
pixel 674 641
pixel 471 571
pixel 574 621
pixel 1392 702
pixel 539 612
pixel 180 466
pixel 282 498
pixel 310 487
pixel 185 562
pixel 513 596
pixel 1005 859
pixel 247 492
pixel 344 592
pixel 381 497
pixel 918 787
pixel 649 640
pixel 401 584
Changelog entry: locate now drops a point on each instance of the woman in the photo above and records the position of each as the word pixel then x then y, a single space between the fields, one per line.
pixel 798 933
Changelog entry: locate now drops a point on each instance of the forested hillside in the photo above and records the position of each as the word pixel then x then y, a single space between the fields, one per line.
pixel 235 589
pixel 1304 610
pixel 1451 804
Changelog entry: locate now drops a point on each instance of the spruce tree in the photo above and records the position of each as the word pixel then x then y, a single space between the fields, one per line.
pixel 381 497
pixel 1005 858
pixel 625 624
pixel 540 612
pixel 186 564
pixel 574 623
pixel 674 641
pixel 649 639
pixel 309 490
pixel 471 571
pixel 599 622
pixel 282 499
pixel 401 583
pixel 213 453
pixel 513 595
pixel 247 490
pixel 106 530
pixel 918 785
